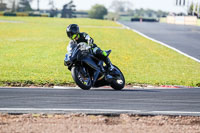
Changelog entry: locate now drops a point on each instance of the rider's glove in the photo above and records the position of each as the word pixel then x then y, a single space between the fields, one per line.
pixel 88 47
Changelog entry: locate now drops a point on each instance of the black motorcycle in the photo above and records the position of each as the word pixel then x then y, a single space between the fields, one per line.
pixel 88 71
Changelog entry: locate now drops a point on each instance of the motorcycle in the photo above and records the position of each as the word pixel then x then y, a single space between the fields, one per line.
pixel 88 71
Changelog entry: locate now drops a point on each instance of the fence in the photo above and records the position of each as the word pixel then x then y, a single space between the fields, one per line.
pixel 22 14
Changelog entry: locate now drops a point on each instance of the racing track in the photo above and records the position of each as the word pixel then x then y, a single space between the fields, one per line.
pixel 96 101
pixel 181 38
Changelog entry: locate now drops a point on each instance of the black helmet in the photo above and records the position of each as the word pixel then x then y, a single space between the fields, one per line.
pixel 71 30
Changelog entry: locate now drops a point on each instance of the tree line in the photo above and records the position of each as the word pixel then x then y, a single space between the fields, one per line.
pixel 16 5
pixel 118 8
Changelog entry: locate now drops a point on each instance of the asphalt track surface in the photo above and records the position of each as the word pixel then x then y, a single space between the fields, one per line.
pixel 181 37
pixel 101 101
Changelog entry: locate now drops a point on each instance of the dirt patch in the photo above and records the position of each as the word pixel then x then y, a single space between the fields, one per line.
pixel 81 123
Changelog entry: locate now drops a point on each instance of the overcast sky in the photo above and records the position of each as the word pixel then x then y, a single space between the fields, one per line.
pixel 165 5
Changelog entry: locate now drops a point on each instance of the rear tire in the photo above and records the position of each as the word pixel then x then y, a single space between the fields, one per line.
pixel 76 76
pixel 116 84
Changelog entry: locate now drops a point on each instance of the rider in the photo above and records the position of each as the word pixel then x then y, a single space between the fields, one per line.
pixel 76 37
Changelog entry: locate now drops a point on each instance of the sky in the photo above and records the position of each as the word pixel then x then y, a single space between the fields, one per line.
pixel 165 5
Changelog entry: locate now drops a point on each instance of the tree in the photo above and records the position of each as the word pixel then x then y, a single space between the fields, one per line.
pixel 121 6
pixel 13 6
pixel 194 9
pixel 53 12
pixel 2 6
pixel 38 5
pixel 24 5
pixel 98 11
pixel 68 10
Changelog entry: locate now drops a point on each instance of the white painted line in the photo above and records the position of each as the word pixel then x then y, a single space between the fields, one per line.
pixel 174 112
pixel 45 88
pixel 63 109
pixel 101 110
pixel 77 88
pixel 65 88
pixel 164 44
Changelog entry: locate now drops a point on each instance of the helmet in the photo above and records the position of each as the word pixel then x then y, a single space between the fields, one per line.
pixel 72 31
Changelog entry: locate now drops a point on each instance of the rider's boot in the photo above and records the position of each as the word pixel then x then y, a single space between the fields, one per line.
pixel 104 56
pixel 109 64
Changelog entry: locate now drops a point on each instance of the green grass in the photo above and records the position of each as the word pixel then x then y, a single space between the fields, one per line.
pixel 32 52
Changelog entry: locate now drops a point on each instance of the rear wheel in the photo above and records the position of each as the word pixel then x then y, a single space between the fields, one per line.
pixel 119 81
pixel 83 81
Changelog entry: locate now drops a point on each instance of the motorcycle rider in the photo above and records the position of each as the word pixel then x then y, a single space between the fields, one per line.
pixel 77 37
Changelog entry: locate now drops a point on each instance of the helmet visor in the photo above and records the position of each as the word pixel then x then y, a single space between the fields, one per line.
pixel 69 34
pixel 74 36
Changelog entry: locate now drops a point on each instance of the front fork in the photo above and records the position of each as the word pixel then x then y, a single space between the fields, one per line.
pixel 84 72
pixel 95 75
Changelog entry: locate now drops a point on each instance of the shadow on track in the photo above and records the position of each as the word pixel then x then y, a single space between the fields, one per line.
pixel 125 90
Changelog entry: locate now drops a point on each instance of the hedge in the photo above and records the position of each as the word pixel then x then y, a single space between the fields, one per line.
pixel 1 13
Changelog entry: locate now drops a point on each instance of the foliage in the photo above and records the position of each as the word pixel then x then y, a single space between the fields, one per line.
pixel 121 6
pixel 3 6
pixel 24 5
pixel 142 13
pixel 98 12
pixel 112 16
pixel 148 13
pixel 68 10
pixel 192 8
pixel 32 52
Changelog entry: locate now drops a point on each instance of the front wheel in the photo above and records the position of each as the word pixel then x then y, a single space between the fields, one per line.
pixel 84 82
pixel 119 81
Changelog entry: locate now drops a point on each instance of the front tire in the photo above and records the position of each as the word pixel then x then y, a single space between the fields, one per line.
pixel 119 82
pixel 80 80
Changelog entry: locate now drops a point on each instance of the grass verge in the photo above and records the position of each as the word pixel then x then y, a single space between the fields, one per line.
pixel 32 52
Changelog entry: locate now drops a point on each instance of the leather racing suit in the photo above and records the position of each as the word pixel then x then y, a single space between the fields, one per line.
pixel 84 37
